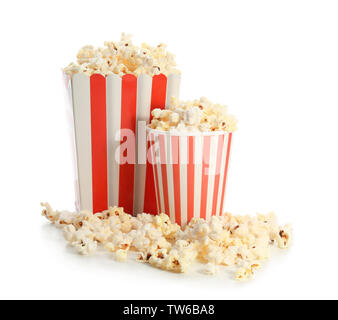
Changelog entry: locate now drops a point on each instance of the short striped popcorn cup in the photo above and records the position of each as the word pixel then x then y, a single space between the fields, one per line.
pixel 105 113
pixel 190 172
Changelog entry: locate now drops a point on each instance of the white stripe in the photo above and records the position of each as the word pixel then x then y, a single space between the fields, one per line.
pixel 82 125
pixel 198 145
pixel 173 87
pixel 159 173
pixel 170 176
pixel 227 177
pixel 221 179
pixel 71 127
pixel 183 142
pixel 211 176
pixel 113 94
pixel 144 85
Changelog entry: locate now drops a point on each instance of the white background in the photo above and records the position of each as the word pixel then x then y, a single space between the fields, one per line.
pixel 274 63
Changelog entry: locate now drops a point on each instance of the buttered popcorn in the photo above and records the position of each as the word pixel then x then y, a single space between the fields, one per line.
pixel 195 116
pixel 227 240
pixel 123 57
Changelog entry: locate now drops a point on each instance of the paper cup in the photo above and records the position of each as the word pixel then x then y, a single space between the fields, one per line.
pixel 190 172
pixel 100 108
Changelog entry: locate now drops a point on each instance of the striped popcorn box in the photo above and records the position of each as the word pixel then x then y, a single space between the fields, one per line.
pixel 190 172
pixel 106 113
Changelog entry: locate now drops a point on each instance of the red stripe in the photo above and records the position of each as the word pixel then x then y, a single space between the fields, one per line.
pixel 176 175
pixel 164 173
pixel 218 173
pixel 158 92
pixel 191 178
pixel 158 96
pixel 99 142
pixel 205 176
pixel 226 171
pixel 128 121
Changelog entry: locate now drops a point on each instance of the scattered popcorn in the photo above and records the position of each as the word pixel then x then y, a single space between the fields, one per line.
pixel 233 241
pixel 193 116
pixel 122 58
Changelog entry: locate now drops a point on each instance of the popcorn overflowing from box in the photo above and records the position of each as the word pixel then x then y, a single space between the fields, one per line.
pixel 199 115
pixel 123 57
pixel 181 183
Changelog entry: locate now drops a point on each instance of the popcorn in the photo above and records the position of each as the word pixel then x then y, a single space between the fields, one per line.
pixel 211 269
pixel 247 272
pixel 123 58
pixel 283 237
pixel 227 240
pixel 193 116
pixel 69 232
pixel 48 212
pixel 121 255
pixel 85 246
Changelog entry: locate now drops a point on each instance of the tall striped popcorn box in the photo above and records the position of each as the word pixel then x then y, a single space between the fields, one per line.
pixel 106 113
pixel 190 172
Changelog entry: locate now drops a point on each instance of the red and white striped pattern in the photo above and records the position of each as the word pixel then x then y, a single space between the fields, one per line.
pixel 101 107
pixel 190 173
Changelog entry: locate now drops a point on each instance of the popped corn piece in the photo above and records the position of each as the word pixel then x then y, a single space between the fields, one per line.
pixel 145 218
pixel 83 232
pixel 69 232
pixel 72 68
pixel 173 262
pixel 210 269
pixel 81 218
pixel 174 118
pixel 110 247
pixel 121 240
pixel 156 113
pixel 214 254
pixel 156 257
pixel 192 116
pixel 161 243
pixel 181 256
pixel 140 241
pixel 121 255
pixel 102 235
pixel 49 213
pixel 283 237
pixel 195 116
pixel 85 54
pixel 230 256
pixel 244 273
pixel 168 228
pixel 85 246
pixel 141 257
pixel 122 58
pixel 65 218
